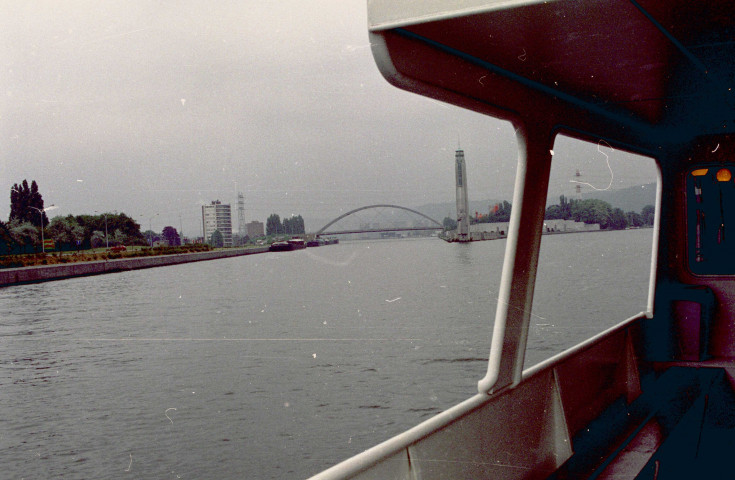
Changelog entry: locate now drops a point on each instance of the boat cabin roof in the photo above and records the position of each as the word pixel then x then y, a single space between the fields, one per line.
pixel 639 72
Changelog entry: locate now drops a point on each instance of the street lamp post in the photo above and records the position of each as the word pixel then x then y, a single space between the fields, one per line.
pixel 41 212
pixel 150 228
pixel 107 239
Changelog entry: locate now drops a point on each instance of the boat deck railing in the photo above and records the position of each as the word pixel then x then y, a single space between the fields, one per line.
pixel 522 428
pixel 597 410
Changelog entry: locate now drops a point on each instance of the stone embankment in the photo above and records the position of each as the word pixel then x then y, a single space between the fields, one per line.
pixel 43 273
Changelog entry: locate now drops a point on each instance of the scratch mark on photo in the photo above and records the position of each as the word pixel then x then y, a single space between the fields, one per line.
pixel 166 413
pixel 607 161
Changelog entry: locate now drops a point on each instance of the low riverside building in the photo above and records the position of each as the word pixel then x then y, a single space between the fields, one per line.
pixel 550 226
pixel 255 229
pixel 561 226
pixel 492 231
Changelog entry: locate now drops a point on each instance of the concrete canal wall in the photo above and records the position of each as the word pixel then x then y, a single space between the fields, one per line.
pixel 43 273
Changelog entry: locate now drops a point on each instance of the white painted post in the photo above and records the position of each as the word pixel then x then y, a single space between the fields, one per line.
pixel 508 349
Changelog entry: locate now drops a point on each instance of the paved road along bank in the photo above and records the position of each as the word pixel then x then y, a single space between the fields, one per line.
pixel 43 273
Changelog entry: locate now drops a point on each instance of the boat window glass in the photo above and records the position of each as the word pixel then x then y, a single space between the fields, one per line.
pixel 710 191
pixel 595 258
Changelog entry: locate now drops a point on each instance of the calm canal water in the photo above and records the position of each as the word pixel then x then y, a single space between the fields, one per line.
pixel 276 366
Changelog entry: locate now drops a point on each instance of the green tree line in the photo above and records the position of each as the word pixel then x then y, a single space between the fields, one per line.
pixel 22 232
pixel 289 226
pixel 26 204
pixel 78 232
pixel 587 211
pixel 598 211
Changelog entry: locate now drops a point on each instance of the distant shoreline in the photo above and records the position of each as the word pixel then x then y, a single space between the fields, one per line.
pixel 46 273
pixel 488 236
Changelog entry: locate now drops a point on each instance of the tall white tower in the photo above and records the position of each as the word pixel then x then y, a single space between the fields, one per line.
pixel 241 227
pixel 463 217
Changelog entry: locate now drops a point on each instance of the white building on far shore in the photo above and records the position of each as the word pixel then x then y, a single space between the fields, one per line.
pixel 491 231
pixel 217 216
pixel 561 226
pixel 550 226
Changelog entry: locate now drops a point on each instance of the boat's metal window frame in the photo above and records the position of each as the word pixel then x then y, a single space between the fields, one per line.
pixel 571 133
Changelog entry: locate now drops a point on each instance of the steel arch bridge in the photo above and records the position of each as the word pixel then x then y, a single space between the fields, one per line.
pixel 321 231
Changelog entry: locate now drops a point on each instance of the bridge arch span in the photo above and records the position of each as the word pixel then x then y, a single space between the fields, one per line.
pixel 321 230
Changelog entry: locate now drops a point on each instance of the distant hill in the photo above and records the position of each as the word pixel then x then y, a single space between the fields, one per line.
pixel 627 199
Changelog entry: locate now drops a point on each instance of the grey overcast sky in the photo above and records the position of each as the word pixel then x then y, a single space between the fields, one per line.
pixel 154 108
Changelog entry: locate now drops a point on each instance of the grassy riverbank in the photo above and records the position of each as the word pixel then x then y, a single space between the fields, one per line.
pixel 55 258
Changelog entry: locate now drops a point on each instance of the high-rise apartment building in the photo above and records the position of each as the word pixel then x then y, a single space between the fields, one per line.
pixel 217 216
pixel 241 228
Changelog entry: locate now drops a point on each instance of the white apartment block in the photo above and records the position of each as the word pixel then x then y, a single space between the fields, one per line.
pixel 217 216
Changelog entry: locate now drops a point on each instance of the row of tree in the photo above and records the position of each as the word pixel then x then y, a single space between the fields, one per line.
pixel 289 226
pixel 598 211
pixel 169 235
pixel 22 232
pixel 72 233
pixel 26 204
pixel 587 211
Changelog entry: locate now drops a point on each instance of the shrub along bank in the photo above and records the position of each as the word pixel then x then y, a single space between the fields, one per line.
pixel 42 273
pixel 35 259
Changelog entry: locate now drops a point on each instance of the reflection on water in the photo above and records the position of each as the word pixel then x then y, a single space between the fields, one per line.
pixel 463 253
pixel 266 366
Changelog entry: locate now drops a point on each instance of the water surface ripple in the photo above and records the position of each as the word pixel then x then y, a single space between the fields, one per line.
pixel 273 366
